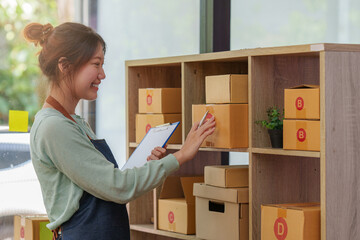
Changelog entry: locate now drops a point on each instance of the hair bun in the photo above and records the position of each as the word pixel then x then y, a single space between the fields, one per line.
pixel 37 33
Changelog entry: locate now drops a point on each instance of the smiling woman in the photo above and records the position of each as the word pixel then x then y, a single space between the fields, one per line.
pixel 84 191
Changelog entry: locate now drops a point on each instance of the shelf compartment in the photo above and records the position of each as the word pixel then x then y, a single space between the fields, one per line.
pixel 149 228
pixel 279 151
pixel 162 76
pixel 281 179
pixel 270 75
pixel 194 74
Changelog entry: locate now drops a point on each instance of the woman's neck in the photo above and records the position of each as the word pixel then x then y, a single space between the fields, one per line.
pixel 65 98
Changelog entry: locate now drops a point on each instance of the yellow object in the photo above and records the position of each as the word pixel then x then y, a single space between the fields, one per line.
pixel 297 221
pixel 302 135
pixel 231 129
pixel 302 102
pixel 160 100
pixel 18 121
pixel 31 227
pixel 146 121
pixel 231 88
pixel 227 176
pixel 176 206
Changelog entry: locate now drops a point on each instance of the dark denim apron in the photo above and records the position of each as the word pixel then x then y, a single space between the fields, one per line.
pixel 95 219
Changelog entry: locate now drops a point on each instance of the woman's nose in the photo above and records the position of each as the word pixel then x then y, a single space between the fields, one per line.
pixel 101 74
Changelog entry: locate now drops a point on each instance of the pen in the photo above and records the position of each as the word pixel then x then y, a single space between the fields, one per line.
pixel 203 118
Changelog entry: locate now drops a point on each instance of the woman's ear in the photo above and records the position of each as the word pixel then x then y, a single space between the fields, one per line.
pixel 63 65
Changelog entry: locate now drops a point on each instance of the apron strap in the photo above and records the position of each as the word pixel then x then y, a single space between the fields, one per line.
pixel 56 105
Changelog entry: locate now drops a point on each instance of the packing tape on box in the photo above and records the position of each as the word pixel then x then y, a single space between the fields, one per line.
pixel 301 135
pixel 282 213
pixel 149 95
pixel 300 110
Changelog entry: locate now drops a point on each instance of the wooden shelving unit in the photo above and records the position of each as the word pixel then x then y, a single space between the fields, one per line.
pixel 276 175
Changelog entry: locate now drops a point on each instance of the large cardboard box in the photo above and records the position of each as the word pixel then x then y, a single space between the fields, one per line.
pixel 231 88
pixel 221 213
pixel 146 121
pixel 302 102
pixel 231 124
pixel 159 100
pixel 176 205
pixel 31 228
pixel 227 176
pixel 301 135
pixel 299 221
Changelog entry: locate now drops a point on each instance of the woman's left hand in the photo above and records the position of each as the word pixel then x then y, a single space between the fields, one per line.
pixel 157 153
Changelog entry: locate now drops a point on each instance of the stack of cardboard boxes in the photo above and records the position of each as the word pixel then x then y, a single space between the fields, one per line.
pixel 159 106
pixel 302 118
pixel 222 203
pixel 227 100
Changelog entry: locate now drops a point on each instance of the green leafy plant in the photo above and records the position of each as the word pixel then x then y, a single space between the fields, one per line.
pixel 275 119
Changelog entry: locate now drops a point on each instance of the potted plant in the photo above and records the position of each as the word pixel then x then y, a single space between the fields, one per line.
pixel 274 124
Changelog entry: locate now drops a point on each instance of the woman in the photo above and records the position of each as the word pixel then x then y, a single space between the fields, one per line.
pixel 84 192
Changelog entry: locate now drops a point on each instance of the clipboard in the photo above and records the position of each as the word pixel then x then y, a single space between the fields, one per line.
pixel 156 136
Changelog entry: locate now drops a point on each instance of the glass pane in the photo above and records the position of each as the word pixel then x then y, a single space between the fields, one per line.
pixel 136 30
pixel 293 22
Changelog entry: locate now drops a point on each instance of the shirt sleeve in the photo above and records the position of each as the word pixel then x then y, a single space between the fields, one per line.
pixel 72 153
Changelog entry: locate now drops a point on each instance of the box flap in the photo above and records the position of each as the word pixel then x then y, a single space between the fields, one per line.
pixel 171 188
pixel 309 206
pixel 234 195
pixel 305 86
pixel 187 186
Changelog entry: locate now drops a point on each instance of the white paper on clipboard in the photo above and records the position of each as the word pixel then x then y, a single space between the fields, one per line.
pixel 155 137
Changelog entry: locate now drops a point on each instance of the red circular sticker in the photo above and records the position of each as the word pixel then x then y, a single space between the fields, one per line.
pixel 171 217
pixel 22 232
pixel 280 228
pixel 301 135
pixel 148 126
pixel 299 103
pixel 208 116
pixel 149 99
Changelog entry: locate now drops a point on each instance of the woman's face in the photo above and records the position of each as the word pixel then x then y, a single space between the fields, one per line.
pixel 88 78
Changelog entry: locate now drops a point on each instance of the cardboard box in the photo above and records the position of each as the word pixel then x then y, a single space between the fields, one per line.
pixel 231 124
pixel 176 205
pixel 31 228
pixel 221 213
pixel 232 88
pixel 302 135
pixel 299 221
pixel 227 176
pixel 302 102
pixel 146 121
pixel 160 100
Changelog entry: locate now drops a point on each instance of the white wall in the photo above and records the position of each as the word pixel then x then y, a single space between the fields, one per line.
pixel 138 29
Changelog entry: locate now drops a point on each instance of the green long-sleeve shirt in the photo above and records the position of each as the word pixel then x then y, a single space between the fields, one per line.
pixel 67 164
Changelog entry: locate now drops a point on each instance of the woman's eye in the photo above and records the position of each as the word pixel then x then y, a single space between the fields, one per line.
pixel 97 64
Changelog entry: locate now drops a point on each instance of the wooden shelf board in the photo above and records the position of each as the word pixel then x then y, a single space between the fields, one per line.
pixel 275 151
pixel 149 228
pixel 178 147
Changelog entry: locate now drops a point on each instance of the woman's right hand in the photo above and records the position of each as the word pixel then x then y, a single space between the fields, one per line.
pixel 194 139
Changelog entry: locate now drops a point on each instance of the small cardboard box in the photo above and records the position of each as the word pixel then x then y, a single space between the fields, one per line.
pixel 159 100
pixel 227 176
pixel 231 88
pixel 146 121
pixel 221 213
pixel 231 124
pixel 176 205
pixel 302 135
pixel 298 221
pixel 31 228
pixel 302 102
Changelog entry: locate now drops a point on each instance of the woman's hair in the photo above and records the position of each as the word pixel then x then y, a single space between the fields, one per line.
pixel 71 44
